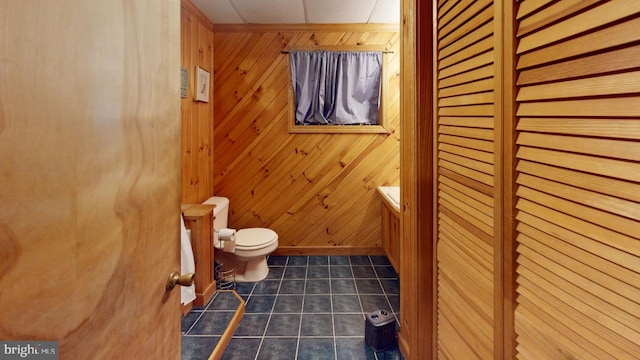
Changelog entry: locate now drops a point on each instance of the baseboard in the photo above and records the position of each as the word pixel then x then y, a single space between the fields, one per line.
pixel 203 298
pixel 328 250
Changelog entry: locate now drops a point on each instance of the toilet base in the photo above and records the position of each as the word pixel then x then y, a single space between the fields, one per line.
pixel 253 270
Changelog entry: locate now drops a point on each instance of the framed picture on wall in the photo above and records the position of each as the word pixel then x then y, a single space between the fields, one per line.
pixel 202 84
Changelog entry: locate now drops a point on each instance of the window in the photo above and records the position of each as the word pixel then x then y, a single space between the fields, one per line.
pixel 336 91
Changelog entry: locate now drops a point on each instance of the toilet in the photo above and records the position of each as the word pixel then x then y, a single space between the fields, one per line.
pixel 252 245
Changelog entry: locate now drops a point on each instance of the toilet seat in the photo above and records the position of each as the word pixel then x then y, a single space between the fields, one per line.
pixel 255 238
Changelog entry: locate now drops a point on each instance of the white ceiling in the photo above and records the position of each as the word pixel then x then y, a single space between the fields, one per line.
pixel 300 11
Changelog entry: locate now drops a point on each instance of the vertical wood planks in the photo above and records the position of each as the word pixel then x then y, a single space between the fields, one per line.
pixel 197 117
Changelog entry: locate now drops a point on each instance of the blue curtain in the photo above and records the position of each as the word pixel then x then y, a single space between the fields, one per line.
pixel 336 87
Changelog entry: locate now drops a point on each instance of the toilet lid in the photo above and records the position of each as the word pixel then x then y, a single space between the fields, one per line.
pixel 255 238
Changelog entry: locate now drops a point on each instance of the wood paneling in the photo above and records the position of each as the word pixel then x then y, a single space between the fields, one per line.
pixel 578 279
pixel 467 118
pixel 390 230
pixel 198 218
pixel 317 191
pixel 416 337
pixel 197 117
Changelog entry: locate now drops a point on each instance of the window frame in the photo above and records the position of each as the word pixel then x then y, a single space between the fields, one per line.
pixel 340 129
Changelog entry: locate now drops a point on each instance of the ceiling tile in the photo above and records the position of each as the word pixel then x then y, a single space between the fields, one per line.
pixel 300 11
pixel 271 11
pixel 338 11
pixel 386 12
pixel 219 11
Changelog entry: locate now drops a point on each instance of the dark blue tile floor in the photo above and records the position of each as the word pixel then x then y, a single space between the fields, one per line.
pixel 309 307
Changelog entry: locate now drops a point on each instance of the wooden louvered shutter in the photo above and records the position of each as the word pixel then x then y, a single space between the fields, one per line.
pixel 578 173
pixel 465 179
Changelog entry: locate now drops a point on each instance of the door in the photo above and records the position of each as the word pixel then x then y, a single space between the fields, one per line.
pixel 90 176
pixel 577 124
pixel 467 179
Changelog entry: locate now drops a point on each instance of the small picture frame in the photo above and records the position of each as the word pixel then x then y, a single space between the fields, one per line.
pixel 202 84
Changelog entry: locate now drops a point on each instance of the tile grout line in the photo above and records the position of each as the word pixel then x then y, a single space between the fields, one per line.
pixel 384 292
pixel 375 353
pixel 355 283
pixel 333 321
pixel 266 327
pixel 304 293
pixel 215 295
pixel 304 297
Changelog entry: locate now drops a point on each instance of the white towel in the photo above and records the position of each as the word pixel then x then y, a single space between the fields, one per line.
pixel 187 264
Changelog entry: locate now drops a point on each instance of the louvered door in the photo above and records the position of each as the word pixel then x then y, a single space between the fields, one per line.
pixel 465 179
pixel 578 196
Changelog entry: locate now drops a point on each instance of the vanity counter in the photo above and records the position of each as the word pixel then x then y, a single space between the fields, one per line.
pixel 390 195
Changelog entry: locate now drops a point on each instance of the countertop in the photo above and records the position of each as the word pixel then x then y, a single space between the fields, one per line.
pixel 391 196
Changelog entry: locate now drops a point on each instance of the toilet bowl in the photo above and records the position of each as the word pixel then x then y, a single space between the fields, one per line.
pixel 252 245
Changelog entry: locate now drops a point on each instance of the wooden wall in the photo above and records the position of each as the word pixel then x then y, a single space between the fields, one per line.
pixel 196 49
pixel 416 335
pixel 318 191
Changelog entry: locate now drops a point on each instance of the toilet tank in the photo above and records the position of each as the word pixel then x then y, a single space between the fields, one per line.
pixel 221 211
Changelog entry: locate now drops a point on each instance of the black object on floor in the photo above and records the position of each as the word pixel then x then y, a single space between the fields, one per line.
pixel 380 330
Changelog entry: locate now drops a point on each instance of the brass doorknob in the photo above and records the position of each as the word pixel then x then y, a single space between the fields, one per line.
pixel 183 280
